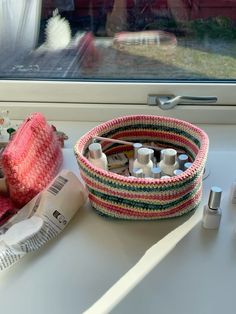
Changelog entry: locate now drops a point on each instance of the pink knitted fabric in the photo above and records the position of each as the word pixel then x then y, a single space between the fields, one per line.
pixel 31 159
pixel 7 209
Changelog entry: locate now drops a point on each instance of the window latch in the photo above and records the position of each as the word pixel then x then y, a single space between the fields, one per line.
pixel 166 102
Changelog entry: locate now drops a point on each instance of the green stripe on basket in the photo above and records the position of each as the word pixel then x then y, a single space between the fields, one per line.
pixel 136 188
pixel 154 127
pixel 109 215
pixel 141 205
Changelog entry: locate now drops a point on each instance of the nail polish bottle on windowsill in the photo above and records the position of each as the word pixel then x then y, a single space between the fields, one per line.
pixel 212 211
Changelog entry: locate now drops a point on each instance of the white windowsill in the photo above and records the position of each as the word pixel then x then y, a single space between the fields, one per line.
pixel 102 112
pixel 76 269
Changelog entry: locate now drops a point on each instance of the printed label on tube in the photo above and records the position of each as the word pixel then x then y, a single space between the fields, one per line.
pixel 44 218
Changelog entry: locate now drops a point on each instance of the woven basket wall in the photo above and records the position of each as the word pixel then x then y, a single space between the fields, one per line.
pixel 135 198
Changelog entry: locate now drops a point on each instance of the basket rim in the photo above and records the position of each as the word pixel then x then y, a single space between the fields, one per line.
pixel 96 131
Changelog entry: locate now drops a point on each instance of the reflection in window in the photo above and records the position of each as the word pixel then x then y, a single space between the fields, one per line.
pixel 118 39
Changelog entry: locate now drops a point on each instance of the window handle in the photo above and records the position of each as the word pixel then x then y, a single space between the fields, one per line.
pixel 169 101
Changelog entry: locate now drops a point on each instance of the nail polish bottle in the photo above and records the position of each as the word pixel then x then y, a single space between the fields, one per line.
pixel 143 161
pixel 212 211
pixel 156 172
pixel 138 173
pixel 162 153
pixel 233 192
pixel 187 165
pixel 165 177
pixel 182 159
pixel 177 172
pixel 169 162
pixel 136 147
pixel 151 151
pixel 97 157
pixel 153 158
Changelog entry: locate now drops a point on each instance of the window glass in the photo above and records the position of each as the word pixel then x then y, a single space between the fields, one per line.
pixel 186 40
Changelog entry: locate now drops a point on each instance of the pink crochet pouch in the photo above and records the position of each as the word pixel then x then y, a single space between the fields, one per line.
pixel 31 159
pixel 7 209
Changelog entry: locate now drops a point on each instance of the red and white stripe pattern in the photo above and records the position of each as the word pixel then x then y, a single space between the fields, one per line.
pixel 136 198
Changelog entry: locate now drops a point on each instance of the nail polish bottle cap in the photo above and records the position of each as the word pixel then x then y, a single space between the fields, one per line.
pixel 183 157
pixel 144 155
pixel 156 172
pixel 95 150
pixel 215 197
pixel 170 156
pixel 136 147
pixel 177 172
pixel 138 173
pixel 187 165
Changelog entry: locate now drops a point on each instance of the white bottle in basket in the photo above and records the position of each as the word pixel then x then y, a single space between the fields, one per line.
pixel 144 161
pixel 97 157
pixel 169 162
pixel 136 147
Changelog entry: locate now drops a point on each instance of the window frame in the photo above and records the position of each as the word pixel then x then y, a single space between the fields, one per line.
pixel 99 101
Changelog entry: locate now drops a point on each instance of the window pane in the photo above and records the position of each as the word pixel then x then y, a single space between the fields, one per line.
pixel 190 40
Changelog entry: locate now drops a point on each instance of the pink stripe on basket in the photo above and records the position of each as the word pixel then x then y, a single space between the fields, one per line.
pixel 138 195
pixel 132 119
pixel 176 138
pixel 151 214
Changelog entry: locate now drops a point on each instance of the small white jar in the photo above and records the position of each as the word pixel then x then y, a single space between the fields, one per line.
pixel 169 162
pixel 144 161
pixel 97 157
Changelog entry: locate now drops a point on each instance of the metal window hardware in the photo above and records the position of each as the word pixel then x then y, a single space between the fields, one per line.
pixel 170 101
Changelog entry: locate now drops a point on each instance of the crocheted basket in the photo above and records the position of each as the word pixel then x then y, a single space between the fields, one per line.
pixel 137 198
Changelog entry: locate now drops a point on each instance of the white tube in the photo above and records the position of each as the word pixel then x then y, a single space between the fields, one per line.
pixel 53 210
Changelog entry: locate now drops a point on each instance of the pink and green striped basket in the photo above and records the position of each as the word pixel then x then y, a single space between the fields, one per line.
pixel 145 199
